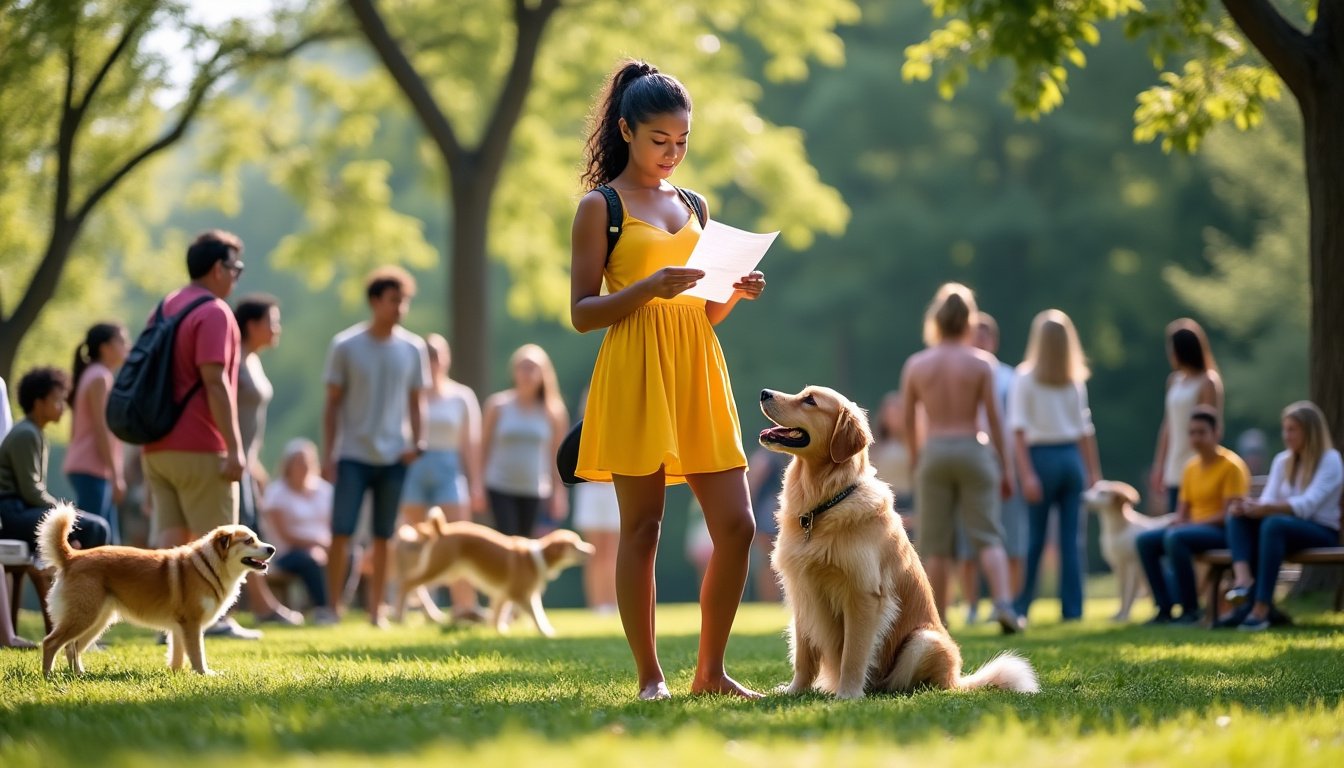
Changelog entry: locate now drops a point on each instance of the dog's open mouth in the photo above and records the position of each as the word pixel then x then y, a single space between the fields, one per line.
pixel 255 564
pixel 789 437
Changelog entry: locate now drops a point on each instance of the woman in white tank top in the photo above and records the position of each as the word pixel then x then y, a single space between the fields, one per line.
pixel 1194 381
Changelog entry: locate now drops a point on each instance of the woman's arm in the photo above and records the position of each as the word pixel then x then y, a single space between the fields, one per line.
pixel 471 451
pixel 559 493
pixel 1211 392
pixel 108 448
pixel 588 309
pixel 488 428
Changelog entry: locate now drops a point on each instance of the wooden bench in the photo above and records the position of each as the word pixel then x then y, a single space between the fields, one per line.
pixel 16 563
pixel 1219 561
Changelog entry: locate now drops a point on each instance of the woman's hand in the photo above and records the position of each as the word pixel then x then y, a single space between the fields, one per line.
pixel 118 490
pixel 559 504
pixel 670 282
pixel 1031 488
pixel 751 286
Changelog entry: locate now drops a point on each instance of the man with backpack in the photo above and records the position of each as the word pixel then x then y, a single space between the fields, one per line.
pixel 193 470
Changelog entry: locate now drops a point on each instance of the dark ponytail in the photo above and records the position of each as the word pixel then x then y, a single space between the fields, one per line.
pixel 636 92
pixel 87 353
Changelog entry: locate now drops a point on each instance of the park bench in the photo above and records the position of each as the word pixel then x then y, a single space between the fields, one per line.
pixel 16 562
pixel 1219 562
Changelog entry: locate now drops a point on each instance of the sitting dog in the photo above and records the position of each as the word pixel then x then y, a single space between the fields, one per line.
pixel 863 611
pixel 509 569
pixel 1121 524
pixel 181 591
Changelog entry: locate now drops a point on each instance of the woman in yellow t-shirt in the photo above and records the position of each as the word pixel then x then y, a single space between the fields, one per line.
pixel 660 408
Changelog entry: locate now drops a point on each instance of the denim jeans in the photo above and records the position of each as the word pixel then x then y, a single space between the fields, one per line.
pixel 93 495
pixel 1179 543
pixel 20 521
pixel 353 479
pixel 301 563
pixel 1060 470
pixel 1263 542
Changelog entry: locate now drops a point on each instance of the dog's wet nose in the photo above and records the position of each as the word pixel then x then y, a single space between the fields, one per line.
pixel 767 394
pixel 270 550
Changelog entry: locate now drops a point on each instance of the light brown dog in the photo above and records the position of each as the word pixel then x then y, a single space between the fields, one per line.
pixel 509 569
pixel 1121 525
pixel 863 613
pixel 181 591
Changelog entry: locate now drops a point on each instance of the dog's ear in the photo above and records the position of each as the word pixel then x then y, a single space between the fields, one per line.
pixel 1126 492
pixel 222 540
pixel 851 433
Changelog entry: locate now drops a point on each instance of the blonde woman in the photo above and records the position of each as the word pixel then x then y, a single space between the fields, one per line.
pixel 1194 381
pixel 958 479
pixel 1298 509
pixel 523 429
pixel 1056 449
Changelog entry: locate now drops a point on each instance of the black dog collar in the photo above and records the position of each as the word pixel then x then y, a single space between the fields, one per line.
pixel 810 519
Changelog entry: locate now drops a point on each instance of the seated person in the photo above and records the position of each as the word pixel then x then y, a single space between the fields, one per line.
pixel 296 515
pixel 1212 479
pixel 24 498
pixel 1299 509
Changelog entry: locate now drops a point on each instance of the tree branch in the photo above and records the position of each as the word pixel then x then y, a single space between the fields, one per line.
pixel 412 85
pixel 127 36
pixel 1283 45
pixel 530 25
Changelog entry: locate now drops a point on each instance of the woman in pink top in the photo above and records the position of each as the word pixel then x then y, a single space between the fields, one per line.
pixel 93 461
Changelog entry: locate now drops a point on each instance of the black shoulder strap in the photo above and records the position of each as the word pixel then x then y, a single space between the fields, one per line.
pixel 615 216
pixel 693 201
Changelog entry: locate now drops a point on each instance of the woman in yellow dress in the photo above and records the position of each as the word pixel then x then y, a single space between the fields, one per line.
pixel 660 409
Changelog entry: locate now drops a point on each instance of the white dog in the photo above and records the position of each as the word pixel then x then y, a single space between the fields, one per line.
pixel 1121 525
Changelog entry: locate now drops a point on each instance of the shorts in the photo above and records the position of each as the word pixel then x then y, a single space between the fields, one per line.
pixel 595 507
pixel 434 479
pixel 956 487
pixel 353 480
pixel 188 492
pixel 1013 518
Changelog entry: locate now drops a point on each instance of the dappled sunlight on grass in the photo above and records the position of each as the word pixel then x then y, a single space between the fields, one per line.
pixel 1112 694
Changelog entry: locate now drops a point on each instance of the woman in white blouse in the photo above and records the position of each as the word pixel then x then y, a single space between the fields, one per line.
pixel 1299 509
pixel 1056 451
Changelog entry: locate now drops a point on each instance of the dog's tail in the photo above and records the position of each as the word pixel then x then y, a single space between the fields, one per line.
pixel 53 535
pixel 1007 671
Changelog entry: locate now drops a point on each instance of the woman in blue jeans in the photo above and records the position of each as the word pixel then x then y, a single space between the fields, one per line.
pixel 1056 449
pixel 1299 509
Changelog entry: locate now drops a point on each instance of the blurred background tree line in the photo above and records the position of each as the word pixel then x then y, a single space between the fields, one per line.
pixel 305 146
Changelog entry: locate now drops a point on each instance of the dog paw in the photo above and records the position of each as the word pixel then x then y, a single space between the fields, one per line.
pixel 849 695
pixel 790 689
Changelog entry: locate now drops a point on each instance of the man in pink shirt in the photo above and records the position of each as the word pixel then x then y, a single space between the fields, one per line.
pixel 193 472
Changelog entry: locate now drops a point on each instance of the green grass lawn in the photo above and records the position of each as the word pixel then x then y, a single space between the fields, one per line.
pixel 351 695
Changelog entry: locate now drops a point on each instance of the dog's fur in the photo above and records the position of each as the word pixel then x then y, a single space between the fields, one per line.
pixel 182 590
pixel 509 569
pixel 1121 525
pixel 863 611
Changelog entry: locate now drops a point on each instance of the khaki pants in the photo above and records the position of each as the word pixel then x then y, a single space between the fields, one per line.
pixel 188 492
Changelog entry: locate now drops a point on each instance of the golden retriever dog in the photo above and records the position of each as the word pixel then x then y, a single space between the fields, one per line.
pixel 181 590
pixel 509 569
pixel 863 613
pixel 1121 524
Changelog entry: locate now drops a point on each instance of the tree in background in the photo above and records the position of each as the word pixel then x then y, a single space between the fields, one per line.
pixel 1232 63
pixel 84 87
pixel 500 88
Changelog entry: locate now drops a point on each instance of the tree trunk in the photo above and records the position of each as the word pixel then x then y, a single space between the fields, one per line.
pixel 469 289
pixel 1323 133
pixel 41 289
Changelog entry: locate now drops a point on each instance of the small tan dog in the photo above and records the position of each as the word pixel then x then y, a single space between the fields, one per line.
pixel 1121 525
pixel 181 591
pixel 509 569
pixel 863 612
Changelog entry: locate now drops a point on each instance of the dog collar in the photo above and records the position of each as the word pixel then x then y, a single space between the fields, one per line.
pixel 810 519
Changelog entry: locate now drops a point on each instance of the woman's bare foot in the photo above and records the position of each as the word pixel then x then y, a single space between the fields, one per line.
pixel 655 691
pixel 723 686
pixel 19 642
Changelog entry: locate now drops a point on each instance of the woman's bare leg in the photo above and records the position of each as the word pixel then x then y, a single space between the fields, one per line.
pixel 641 501
pixel 727 505
pixel 599 574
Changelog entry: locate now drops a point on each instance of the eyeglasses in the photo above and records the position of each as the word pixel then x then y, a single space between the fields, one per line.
pixel 235 267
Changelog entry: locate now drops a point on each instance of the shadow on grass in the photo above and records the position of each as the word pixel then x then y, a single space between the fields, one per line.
pixel 465 688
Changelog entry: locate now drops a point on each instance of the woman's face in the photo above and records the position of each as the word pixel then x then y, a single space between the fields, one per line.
pixel 658 145
pixel 527 377
pixel 114 351
pixel 1294 438
pixel 266 330
pixel 298 468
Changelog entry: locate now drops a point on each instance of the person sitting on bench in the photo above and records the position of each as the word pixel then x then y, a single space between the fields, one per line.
pixel 1299 509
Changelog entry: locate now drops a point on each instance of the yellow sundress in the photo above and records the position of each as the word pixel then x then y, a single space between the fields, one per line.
pixel 660 393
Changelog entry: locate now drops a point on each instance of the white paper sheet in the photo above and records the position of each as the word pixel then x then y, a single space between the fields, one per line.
pixel 726 254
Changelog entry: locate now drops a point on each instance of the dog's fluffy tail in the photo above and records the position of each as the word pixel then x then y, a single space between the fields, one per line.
pixel 1007 671
pixel 53 535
